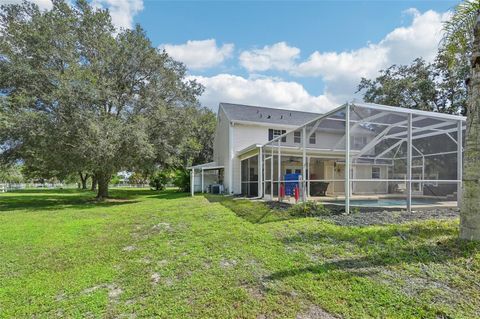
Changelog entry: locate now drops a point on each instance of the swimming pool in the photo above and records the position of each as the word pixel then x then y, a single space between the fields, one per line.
pixel 387 202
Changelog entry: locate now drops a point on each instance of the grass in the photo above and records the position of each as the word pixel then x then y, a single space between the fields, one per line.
pixel 259 212
pixel 168 255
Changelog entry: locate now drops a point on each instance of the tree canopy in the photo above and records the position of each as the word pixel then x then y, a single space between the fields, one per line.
pixel 79 96
pixel 425 86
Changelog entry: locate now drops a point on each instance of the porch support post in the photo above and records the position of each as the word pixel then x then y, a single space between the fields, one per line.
pixel 423 173
pixel 272 160
pixel 409 163
pixel 202 180
pixel 261 172
pixel 308 180
pixel 459 162
pixel 279 170
pixel 192 182
pixel 347 159
pixel 304 164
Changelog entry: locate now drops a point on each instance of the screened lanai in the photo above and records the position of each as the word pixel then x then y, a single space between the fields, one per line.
pixel 363 154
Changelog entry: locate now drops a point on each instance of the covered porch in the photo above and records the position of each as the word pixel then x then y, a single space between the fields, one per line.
pixel 206 177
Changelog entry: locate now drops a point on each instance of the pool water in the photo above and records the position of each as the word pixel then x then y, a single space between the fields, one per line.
pixel 388 202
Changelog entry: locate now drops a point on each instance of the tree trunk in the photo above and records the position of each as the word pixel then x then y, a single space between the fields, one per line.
pixel 83 178
pixel 470 208
pixel 103 179
pixel 94 183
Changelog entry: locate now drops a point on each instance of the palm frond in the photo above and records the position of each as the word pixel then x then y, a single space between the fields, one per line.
pixel 458 30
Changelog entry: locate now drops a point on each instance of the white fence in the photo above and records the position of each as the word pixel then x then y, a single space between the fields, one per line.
pixel 122 185
pixel 5 187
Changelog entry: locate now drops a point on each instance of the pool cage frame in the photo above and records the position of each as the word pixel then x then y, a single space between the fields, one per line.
pixel 399 140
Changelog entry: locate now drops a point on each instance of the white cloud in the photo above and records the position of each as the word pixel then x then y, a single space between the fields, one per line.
pixel 42 4
pixel 199 54
pixel 264 91
pixel 342 71
pixel 121 11
pixel 279 56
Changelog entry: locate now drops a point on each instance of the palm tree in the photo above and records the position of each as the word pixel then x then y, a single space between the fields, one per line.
pixel 462 36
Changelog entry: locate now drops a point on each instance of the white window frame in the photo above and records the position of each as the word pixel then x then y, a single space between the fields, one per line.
pixel 313 138
pixel 297 137
pixel 359 141
pixel 276 133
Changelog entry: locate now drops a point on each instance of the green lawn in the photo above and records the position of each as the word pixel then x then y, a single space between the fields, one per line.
pixel 168 255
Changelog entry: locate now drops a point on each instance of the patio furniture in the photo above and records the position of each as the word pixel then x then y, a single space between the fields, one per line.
pixel 318 188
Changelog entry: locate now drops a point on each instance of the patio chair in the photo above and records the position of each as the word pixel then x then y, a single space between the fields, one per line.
pixel 318 188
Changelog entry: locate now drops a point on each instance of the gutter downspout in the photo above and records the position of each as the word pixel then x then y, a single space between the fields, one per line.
pixel 260 172
pixel 230 158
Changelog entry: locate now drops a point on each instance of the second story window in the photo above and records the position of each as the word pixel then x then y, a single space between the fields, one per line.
pixel 297 137
pixel 272 133
pixel 312 139
pixel 359 141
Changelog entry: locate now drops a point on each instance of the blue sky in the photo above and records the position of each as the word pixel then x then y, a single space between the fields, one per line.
pixel 298 55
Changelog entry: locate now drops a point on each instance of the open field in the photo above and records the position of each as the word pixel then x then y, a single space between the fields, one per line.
pixel 148 254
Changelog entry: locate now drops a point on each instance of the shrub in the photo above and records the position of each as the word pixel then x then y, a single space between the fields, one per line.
pixel 309 208
pixel 137 178
pixel 182 180
pixel 159 180
pixel 115 180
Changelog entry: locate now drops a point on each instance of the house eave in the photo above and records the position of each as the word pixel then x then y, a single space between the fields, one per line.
pixel 205 166
pixel 264 124
pixel 248 149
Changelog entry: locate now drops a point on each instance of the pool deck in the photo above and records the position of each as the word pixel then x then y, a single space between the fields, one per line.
pixel 332 200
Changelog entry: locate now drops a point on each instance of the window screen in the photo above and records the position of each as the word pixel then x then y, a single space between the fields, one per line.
pixel 297 137
pixel 273 133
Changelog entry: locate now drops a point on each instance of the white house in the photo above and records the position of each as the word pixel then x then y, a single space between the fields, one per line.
pixel 391 151
pixel 241 130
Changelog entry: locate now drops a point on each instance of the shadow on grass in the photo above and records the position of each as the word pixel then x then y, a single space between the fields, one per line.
pixel 53 199
pixel 255 212
pixel 413 246
pixel 168 194
pixel 55 203
pixel 40 190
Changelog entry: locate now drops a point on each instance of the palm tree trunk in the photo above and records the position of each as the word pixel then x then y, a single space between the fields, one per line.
pixel 470 208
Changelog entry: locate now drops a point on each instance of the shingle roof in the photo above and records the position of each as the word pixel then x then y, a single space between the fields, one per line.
pixel 250 113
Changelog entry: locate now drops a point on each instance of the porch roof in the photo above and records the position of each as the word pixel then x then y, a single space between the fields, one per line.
pixel 248 149
pixel 206 166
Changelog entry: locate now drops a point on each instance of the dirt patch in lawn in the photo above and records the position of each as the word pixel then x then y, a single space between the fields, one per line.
pixel 129 248
pixel 111 200
pixel 113 290
pixel 315 312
